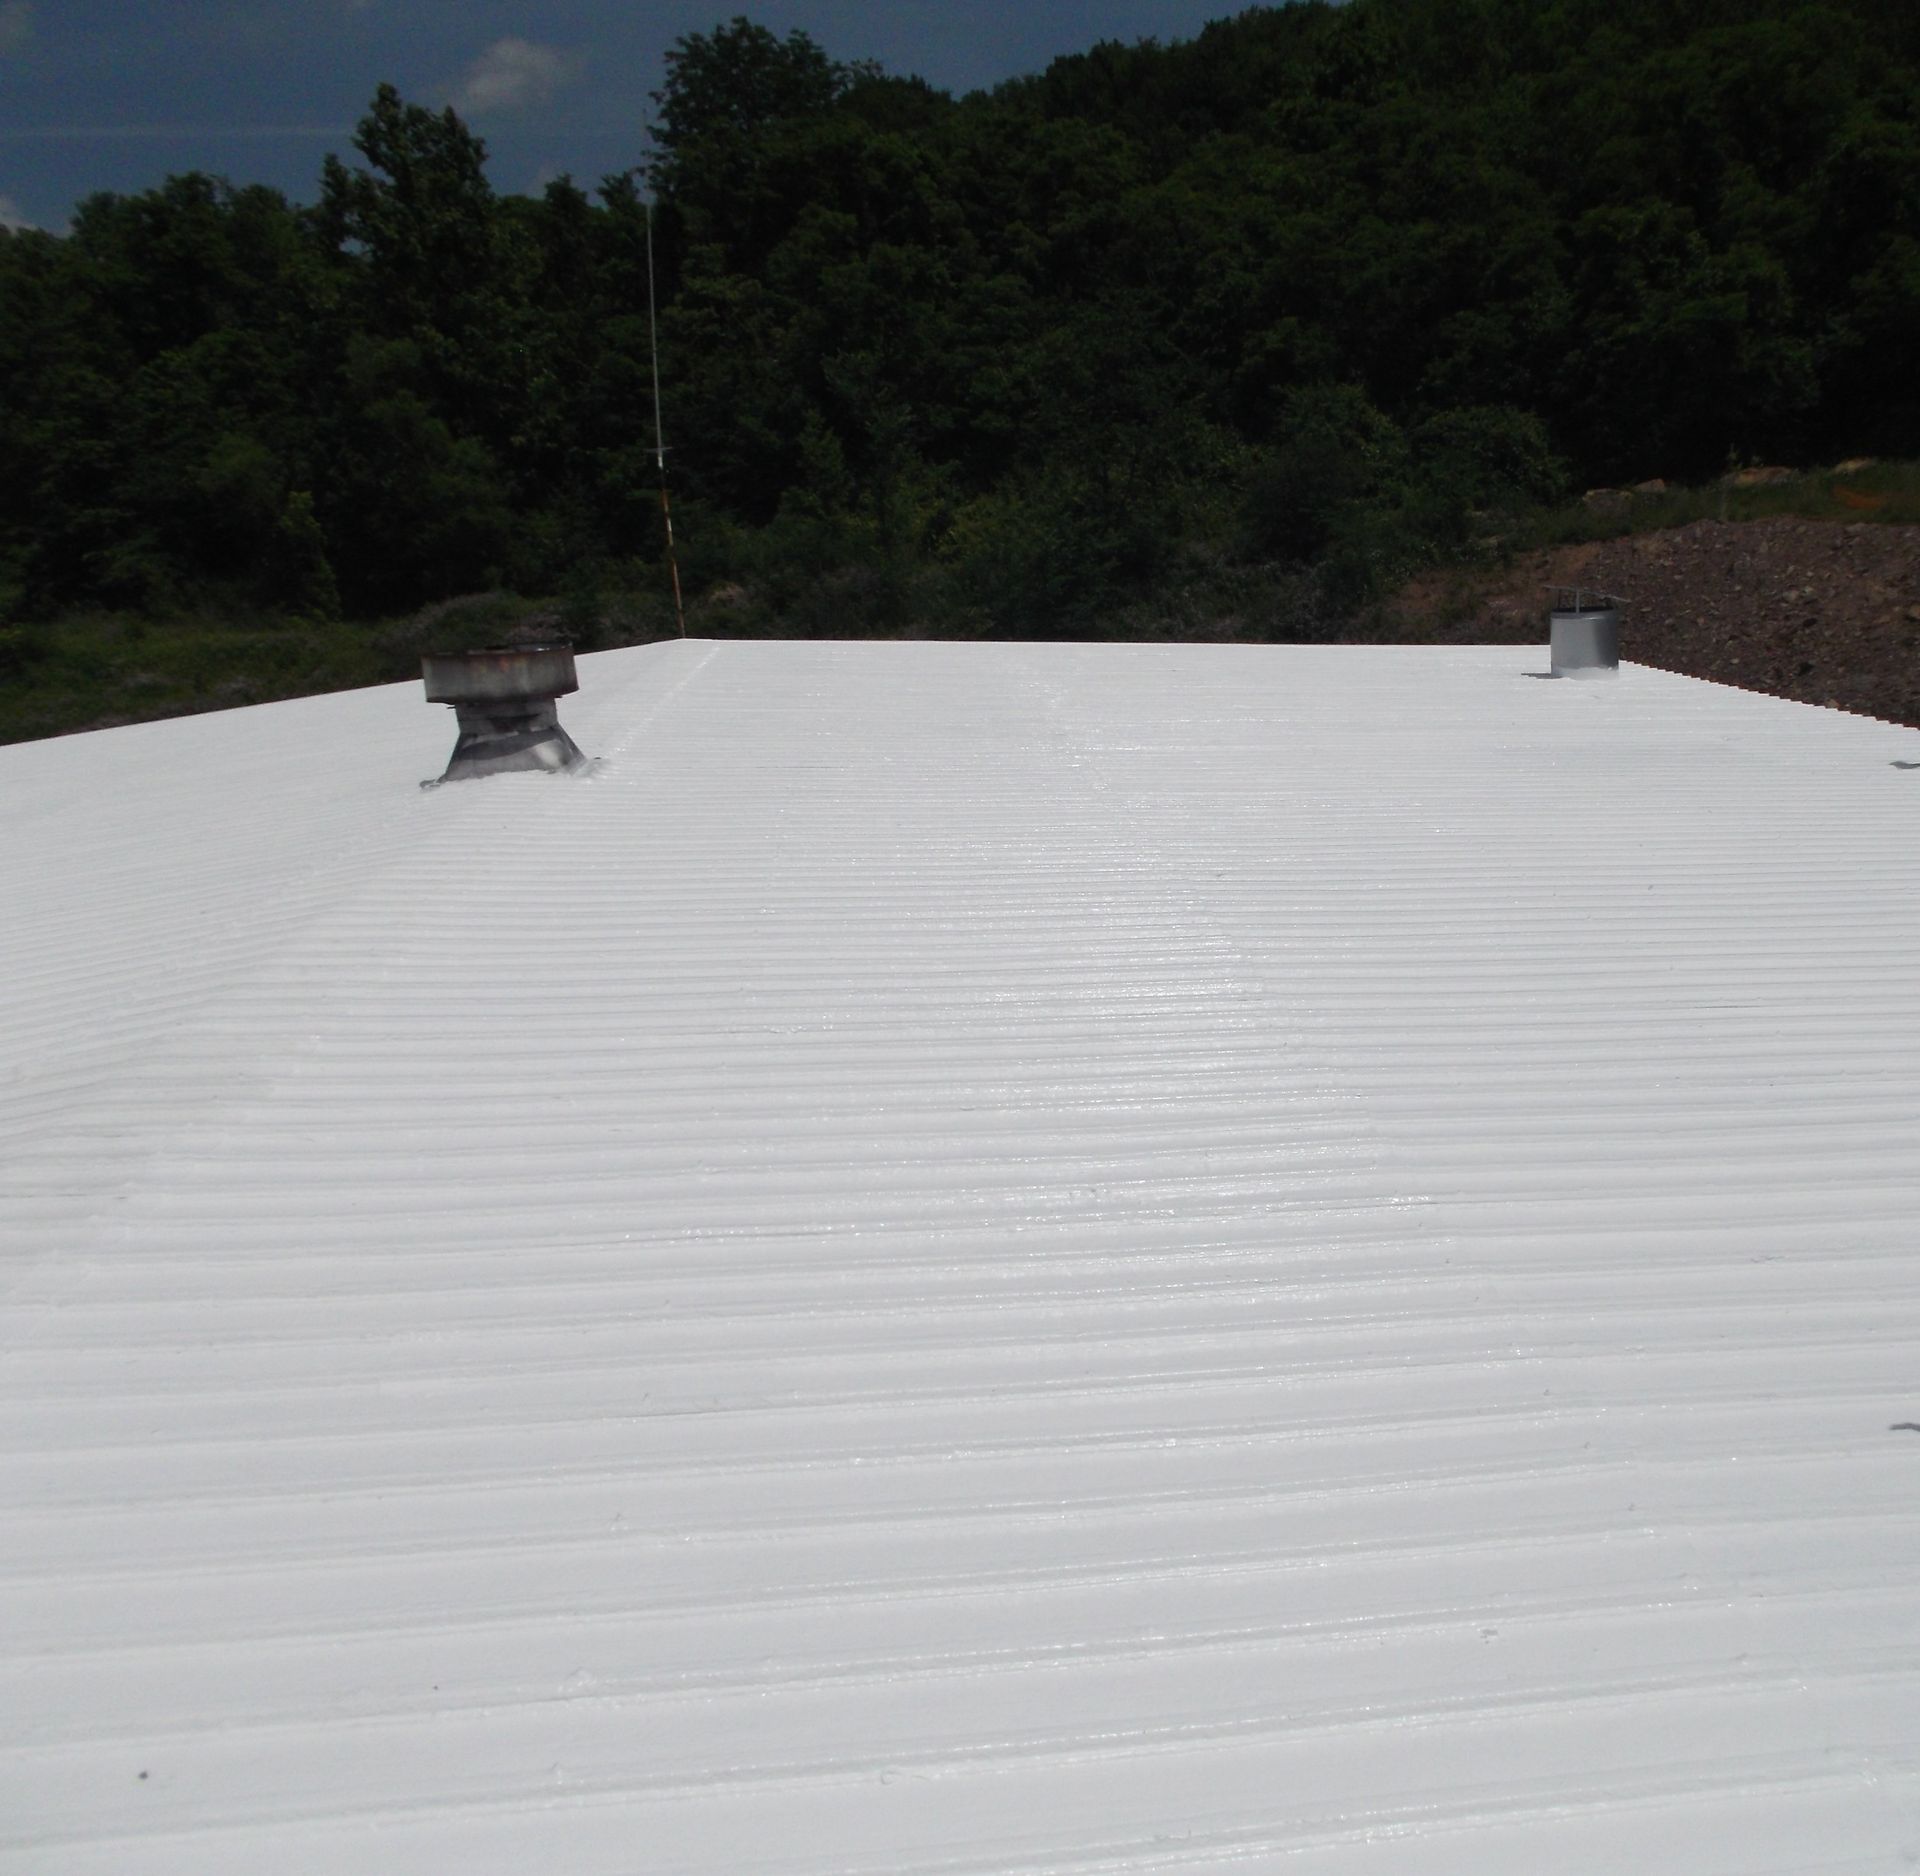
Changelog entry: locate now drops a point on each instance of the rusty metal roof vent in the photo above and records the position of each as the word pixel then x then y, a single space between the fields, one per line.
pixel 503 702
pixel 1584 629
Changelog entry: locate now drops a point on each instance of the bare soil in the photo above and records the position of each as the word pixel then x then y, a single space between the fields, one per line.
pixel 1827 612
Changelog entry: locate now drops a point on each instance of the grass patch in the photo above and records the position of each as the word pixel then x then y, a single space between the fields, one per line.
pixel 92 670
pixel 1882 492
pixel 98 669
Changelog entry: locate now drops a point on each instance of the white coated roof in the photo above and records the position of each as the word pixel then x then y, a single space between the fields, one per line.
pixel 967 1258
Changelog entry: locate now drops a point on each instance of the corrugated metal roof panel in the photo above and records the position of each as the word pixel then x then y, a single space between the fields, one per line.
pixel 967 1258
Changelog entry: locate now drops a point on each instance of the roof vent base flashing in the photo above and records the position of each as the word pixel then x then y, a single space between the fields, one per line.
pixel 495 740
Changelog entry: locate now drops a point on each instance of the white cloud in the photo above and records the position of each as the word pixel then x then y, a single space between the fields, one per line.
pixel 16 24
pixel 10 216
pixel 513 75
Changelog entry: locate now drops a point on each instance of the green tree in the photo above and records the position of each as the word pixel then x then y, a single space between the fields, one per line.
pixel 428 260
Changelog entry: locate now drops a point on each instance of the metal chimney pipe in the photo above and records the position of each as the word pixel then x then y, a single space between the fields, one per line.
pixel 503 702
pixel 1584 632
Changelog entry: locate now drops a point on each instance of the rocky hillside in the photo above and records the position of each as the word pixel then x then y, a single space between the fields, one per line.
pixel 1825 612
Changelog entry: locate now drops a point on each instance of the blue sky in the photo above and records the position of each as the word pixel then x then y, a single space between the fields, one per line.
pixel 110 94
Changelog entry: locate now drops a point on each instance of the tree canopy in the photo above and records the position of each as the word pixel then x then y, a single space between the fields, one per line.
pixel 1321 288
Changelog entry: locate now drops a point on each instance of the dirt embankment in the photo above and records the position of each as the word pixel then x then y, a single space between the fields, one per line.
pixel 1827 612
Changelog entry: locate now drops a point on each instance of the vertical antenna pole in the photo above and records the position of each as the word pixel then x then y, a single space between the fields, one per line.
pixel 659 432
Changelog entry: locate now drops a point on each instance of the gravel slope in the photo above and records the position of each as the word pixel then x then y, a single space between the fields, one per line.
pixel 1824 612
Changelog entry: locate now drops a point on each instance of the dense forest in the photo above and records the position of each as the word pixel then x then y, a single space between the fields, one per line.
pixel 1282 311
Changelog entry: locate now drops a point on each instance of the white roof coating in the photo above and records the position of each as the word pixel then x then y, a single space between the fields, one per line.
pixel 967 1258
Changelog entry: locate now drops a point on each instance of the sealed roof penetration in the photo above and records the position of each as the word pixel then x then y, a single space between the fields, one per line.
pixel 971 1259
